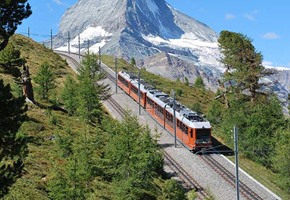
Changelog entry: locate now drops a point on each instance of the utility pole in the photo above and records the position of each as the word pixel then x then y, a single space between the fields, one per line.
pixel 116 72
pixel 68 42
pixel 139 92
pixel 236 161
pixel 88 46
pixel 51 39
pixel 174 117
pixel 100 56
pixel 79 42
pixel 28 32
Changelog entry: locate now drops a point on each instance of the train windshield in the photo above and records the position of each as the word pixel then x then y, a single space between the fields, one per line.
pixel 202 136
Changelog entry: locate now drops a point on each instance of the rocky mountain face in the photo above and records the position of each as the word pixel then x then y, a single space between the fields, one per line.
pixel 160 38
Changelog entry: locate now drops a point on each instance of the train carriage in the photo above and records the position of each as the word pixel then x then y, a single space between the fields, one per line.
pixel 129 83
pixel 191 129
pixel 134 93
pixel 124 81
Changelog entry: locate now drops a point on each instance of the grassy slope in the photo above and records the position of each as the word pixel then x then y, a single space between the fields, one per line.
pixel 40 127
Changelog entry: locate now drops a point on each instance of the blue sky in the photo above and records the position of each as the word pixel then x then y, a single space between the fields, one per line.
pixel 263 21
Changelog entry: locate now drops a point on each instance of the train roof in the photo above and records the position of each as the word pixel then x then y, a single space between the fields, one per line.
pixel 183 113
pixel 131 77
pixel 164 100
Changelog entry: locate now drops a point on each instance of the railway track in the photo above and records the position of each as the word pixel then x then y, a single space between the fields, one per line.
pixel 245 191
pixel 189 182
pixel 186 178
pixel 117 106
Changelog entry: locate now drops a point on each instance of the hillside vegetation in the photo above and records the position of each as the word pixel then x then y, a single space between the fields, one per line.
pixel 263 130
pixel 56 164
pixel 84 153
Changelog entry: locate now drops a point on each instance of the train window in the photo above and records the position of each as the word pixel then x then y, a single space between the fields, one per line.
pixel 125 82
pixel 186 130
pixel 150 102
pixel 169 117
pixel 178 123
pixel 135 90
pixel 191 133
pixel 202 133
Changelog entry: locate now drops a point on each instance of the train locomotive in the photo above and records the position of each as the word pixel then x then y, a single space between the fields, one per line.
pixel 192 130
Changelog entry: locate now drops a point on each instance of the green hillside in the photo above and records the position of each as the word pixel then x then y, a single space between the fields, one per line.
pixel 68 157
pixel 55 139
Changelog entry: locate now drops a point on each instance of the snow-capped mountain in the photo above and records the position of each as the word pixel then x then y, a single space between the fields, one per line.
pixel 159 37
pixel 143 29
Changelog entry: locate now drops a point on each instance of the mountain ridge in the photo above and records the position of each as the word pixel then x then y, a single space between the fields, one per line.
pixel 160 38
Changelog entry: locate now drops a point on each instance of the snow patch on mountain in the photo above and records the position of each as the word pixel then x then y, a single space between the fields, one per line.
pixel 184 41
pixel 277 68
pixel 89 34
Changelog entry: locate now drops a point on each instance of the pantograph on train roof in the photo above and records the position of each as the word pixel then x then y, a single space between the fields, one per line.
pixel 166 99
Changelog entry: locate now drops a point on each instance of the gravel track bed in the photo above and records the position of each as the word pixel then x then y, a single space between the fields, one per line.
pixel 199 170
pixel 196 167
pixel 193 164
pixel 247 179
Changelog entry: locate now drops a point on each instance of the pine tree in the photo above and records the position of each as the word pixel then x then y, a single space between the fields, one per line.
pixel 133 62
pixel 12 146
pixel 281 157
pixel 90 91
pixel 199 82
pixel 45 79
pixel 12 12
pixel 186 81
pixel 96 74
pixel 89 104
pixel 10 60
pixel 134 160
pixel 69 95
pixel 243 64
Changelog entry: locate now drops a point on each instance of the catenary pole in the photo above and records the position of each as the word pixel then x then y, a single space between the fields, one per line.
pixel 79 42
pixel 116 63
pixel 88 47
pixel 139 92
pixel 68 42
pixel 237 161
pixel 28 32
pixel 174 118
pixel 100 56
pixel 51 39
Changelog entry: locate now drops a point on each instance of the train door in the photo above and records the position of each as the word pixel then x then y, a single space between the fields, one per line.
pixel 191 137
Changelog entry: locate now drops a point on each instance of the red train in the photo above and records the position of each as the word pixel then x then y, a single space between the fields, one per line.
pixel 191 128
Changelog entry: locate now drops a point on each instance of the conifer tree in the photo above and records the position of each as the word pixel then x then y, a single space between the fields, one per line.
pixel 90 91
pixel 10 60
pixel 45 79
pixel 281 157
pixel 12 12
pixel 89 104
pixel 134 160
pixel 199 82
pixel 133 62
pixel 12 146
pixel 69 95
pixel 244 69
pixel 186 81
